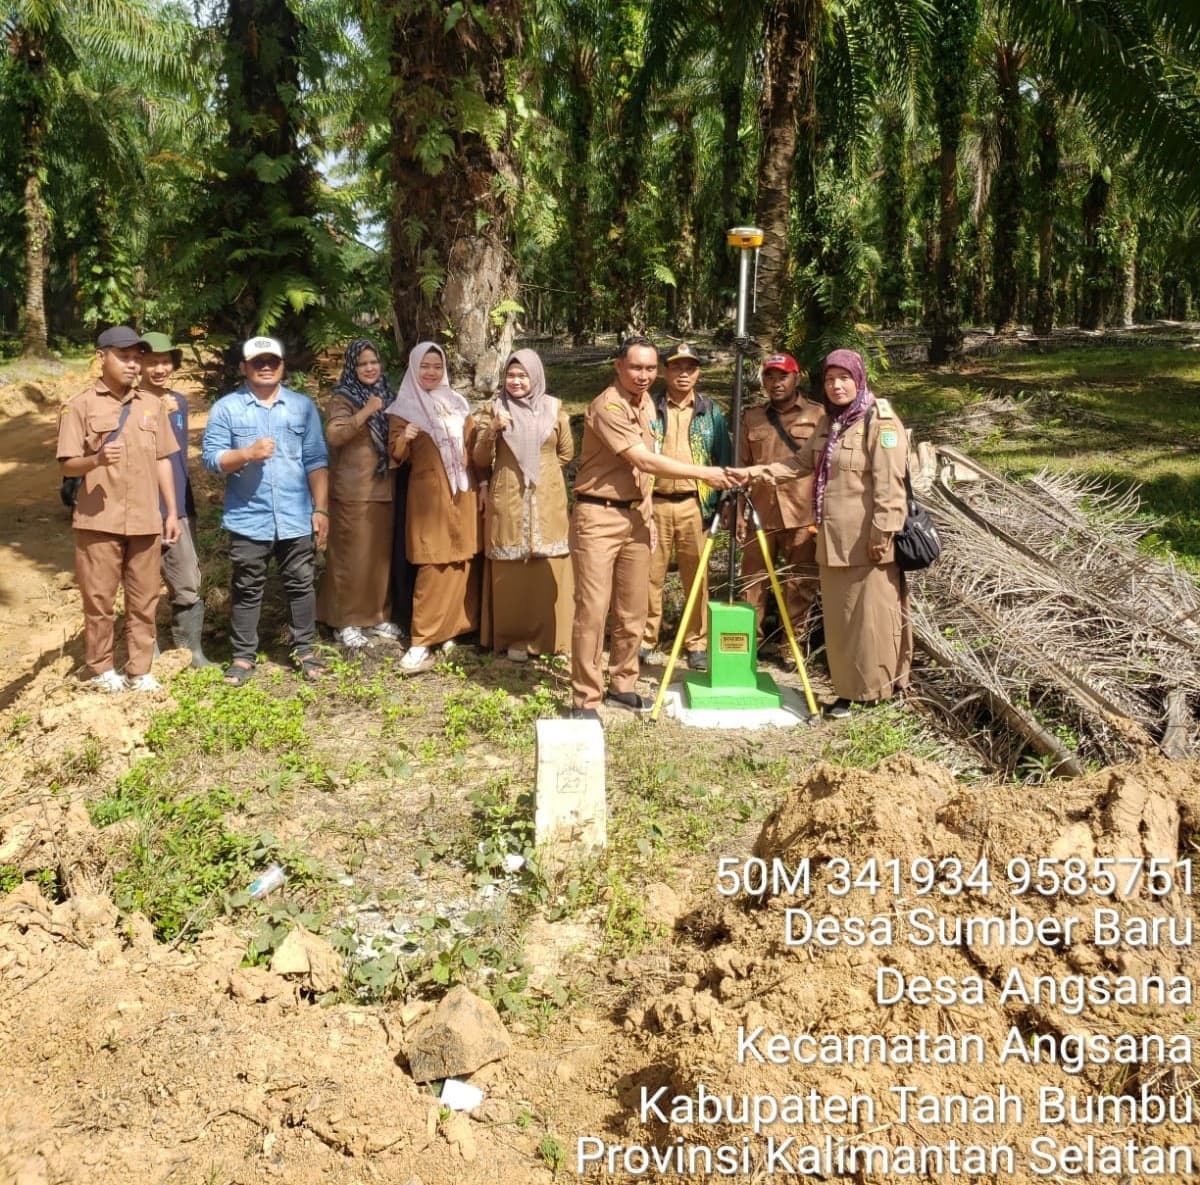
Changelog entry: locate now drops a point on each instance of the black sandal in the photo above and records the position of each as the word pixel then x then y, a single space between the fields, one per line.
pixel 239 671
pixel 310 666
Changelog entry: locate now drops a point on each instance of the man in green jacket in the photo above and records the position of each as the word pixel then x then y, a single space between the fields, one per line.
pixel 687 427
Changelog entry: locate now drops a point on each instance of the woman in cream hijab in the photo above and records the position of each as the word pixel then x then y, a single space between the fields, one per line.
pixel 429 425
pixel 528 591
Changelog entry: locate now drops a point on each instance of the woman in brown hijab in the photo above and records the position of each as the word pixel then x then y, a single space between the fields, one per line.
pixel 429 426
pixel 528 591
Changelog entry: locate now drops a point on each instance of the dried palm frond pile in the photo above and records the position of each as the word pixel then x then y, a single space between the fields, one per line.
pixel 1048 637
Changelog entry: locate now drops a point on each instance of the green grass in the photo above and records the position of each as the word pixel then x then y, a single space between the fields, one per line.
pixel 1123 415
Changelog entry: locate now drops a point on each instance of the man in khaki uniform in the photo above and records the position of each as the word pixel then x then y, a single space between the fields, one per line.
pixel 773 432
pixel 611 530
pixel 688 427
pixel 119 441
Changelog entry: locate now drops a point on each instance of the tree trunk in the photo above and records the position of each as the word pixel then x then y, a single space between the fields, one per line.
pixel 453 273
pixel 1097 283
pixel 1048 168
pixel 894 186
pixel 1006 192
pixel 28 60
pixel 1129 273
pixel 788 103
pixel 270 183
pixel 954 33
pixel 34 342
pixel 580 263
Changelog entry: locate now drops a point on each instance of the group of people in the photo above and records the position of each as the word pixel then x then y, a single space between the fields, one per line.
pixel 440 523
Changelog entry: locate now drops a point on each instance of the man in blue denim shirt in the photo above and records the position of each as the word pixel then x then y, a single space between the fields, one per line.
pixel 268 440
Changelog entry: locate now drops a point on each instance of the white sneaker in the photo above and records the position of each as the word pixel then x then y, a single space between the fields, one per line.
pixel 109 681
pixel 145 682
pixel 416 659
pixel 352 638
pixel 517 654
pixel 448 646
pixel 387 629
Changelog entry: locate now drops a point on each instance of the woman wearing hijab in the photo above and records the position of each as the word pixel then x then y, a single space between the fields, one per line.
pixel 354 597
pixel 429 426
pixel 857 455
pixel 528 590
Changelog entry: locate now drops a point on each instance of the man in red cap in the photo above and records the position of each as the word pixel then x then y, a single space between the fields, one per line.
pixel 116 437
pixel 772 432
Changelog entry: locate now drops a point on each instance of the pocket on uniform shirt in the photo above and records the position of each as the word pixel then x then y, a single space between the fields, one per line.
pixel 243 437
pixel 851 456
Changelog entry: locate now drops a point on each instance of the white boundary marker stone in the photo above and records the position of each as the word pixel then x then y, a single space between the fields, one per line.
pixel 570 804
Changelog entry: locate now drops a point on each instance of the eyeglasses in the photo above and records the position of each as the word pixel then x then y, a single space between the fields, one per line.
pixel 265 362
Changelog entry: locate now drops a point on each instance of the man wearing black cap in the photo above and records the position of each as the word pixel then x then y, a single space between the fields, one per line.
pixel 118 440
pixel 691 428
pixel 775 432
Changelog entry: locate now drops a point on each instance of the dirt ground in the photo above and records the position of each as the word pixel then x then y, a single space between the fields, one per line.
pixel 129 1061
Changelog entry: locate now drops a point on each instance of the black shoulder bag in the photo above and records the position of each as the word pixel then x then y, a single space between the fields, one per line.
pixel 917 544
pixel 69 492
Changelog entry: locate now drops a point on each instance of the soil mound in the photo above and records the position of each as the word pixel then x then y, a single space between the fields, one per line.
pixel 927 953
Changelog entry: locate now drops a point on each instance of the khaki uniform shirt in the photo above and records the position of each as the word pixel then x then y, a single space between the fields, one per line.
pixel 789 505
pixel 612 425
pixel 439 529
pixel 676 443
pixel 865 497
pixel 120 499
pixel 352 457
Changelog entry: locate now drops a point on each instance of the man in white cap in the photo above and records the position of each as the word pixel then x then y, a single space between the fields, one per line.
pixel 267 440
pixel 117 440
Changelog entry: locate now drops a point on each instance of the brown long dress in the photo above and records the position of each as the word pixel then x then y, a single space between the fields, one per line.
pixel 355 587
pixel 442 537
pixel 528 591
pixel 868 635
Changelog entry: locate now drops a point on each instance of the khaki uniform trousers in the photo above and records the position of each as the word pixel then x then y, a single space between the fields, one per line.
pixel 680 528
pixel 610 555
pixel 793 548
pixel 102 561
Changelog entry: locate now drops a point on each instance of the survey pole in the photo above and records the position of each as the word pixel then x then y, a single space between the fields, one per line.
pixel 747 240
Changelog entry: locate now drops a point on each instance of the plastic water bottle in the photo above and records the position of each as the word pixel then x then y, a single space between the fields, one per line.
pixel 270 880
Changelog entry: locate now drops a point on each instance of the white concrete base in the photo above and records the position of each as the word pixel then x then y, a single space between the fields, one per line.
pixel 793 712
pixel 570 809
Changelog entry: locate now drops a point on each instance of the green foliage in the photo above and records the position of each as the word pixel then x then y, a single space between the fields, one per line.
pixel 216 718
pixel 473 711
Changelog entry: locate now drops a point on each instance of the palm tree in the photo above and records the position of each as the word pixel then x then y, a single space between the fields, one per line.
pixel 454 180
pixel 47 42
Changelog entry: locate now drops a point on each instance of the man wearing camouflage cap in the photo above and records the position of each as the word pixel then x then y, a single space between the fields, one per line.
pixel 687 427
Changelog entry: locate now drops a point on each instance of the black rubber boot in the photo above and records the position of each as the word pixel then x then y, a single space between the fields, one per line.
pixel 187 625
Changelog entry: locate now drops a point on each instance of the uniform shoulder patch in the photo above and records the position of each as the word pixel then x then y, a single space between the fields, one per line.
pixel 889 437
pixel 884 409
pixel 612 407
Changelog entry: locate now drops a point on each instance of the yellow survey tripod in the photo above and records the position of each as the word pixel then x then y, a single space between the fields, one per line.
pixel 733 680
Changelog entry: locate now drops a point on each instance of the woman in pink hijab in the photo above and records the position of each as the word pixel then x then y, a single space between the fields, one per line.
pixel 528 590
pixel 429 426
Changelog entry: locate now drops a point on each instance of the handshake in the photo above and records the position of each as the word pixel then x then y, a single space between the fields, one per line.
pixel 731 478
